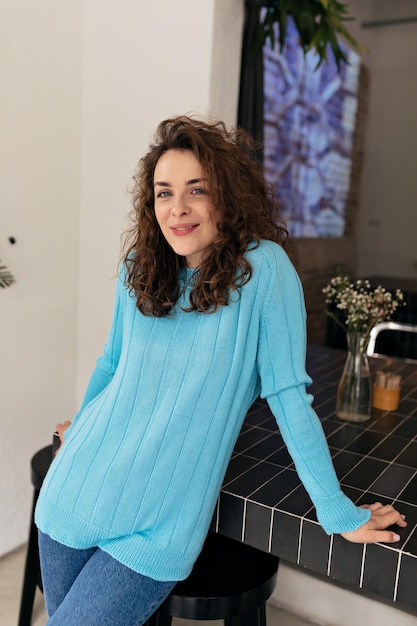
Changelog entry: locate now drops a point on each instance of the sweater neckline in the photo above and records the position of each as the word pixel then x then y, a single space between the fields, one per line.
pixel 188 273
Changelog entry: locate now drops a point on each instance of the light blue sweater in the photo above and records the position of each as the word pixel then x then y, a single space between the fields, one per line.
pixel 143 462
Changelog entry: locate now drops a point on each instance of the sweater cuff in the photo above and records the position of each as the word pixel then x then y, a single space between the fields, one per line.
pixel 338 514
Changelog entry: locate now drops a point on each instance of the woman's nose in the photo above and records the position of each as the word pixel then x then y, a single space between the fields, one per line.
pixel 179 207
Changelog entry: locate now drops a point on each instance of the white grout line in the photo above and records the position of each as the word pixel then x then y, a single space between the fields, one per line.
pixel 397 577
pixel 329 558
pixel 271 526
pixel 244 520
pixel 362 567
pixel 299 541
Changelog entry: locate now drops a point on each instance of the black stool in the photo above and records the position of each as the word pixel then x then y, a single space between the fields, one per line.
pixel 32 577
pixel 230 580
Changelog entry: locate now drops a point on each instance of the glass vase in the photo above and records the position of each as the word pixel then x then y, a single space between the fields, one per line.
pixel 354 393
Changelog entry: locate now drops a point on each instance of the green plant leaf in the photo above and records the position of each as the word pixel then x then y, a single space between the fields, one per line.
pixel 318 23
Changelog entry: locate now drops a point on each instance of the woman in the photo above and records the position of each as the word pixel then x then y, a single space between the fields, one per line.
pixel 209 314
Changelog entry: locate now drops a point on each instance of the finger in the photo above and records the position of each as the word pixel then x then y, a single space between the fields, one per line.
pixel 363 535
pixel 379 509
pixel 374 507
pixel 402 521
pixel 63 427
pixel 382 536
pixel 381 519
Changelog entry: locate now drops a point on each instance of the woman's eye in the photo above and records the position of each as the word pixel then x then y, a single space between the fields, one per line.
pixel 198 191
pixel 163 194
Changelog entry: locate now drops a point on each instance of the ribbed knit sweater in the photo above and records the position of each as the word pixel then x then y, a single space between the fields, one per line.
pixel 143 462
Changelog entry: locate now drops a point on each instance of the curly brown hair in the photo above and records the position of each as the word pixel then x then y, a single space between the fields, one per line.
pixel 244 201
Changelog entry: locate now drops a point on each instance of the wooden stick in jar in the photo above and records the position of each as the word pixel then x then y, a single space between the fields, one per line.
pixel 387 380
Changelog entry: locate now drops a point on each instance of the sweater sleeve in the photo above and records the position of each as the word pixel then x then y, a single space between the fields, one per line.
pixel 106 364
pixel 281 364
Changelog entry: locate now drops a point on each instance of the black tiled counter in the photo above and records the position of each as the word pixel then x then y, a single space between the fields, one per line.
pixel 263 502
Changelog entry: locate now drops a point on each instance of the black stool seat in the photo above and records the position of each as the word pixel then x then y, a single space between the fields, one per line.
pixel 230 581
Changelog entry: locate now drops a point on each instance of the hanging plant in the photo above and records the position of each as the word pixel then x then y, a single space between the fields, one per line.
pixel 6 277
pixel 318 22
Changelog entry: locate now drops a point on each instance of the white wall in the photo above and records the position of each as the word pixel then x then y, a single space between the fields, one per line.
pixel 84 83
pixel 40 129
pixel 387 224
pixel 142 63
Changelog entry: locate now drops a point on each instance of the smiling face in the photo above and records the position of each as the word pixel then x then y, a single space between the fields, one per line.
pixel 183 207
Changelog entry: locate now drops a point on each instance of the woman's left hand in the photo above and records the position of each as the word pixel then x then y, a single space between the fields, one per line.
pixel 60 429
pixel 382 516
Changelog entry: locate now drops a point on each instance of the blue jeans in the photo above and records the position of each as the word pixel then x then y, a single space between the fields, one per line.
pixel 91 588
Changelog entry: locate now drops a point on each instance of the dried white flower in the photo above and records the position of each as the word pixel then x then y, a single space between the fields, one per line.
pixel 361 306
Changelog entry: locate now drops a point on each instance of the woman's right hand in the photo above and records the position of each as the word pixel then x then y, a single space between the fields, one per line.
pixel 60 429
pixel 377 528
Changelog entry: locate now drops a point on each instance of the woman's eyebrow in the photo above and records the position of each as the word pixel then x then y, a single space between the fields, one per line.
pixel 192 181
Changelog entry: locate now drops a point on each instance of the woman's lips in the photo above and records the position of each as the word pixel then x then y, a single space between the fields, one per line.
pixel 182 230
